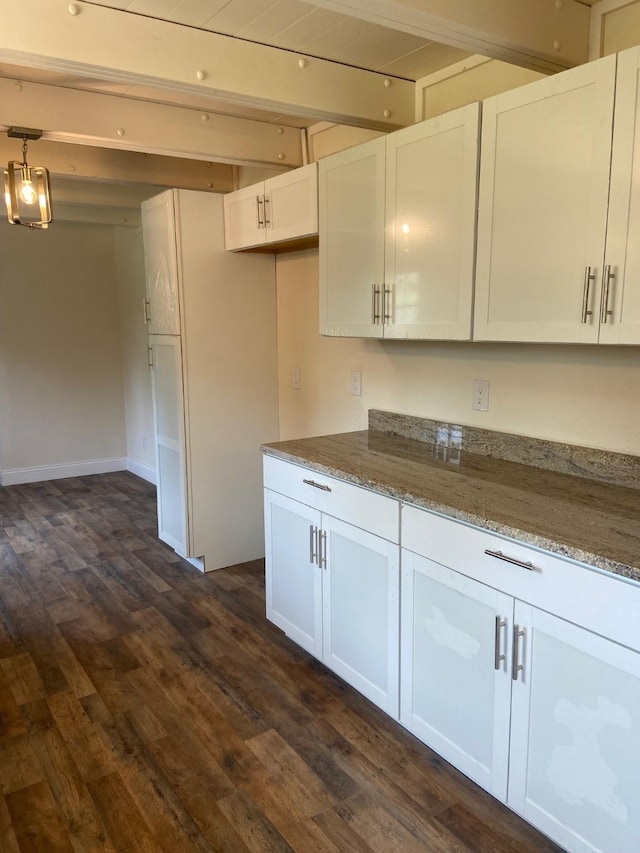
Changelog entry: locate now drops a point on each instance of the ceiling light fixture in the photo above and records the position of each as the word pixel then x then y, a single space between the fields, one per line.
pixel 27 191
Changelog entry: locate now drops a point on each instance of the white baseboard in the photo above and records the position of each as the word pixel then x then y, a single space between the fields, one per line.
pixel 17 476
pixel 141 470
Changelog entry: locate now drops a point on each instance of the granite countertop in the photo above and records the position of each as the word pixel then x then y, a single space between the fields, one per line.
pixel 594 522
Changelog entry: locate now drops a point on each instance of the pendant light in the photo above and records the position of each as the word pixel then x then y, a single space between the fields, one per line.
pixel 27 191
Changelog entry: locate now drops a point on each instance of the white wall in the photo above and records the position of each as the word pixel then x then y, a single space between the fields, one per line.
pixel 582 395
pixel 61 386
pixel 138 405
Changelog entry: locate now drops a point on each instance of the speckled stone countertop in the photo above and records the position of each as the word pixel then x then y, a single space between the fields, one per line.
pixel 588 520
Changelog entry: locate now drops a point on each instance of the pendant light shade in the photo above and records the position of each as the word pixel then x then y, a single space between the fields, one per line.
pixel 27 191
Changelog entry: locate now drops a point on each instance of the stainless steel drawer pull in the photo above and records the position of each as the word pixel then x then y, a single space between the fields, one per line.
pixel 260 201
pixel 313 544
pixel 605 311
pixel 500 556
pixel 375 307
pixel 322 549
pixel 515 666
pixel 500 624
pixel 317 485
pixel 588 278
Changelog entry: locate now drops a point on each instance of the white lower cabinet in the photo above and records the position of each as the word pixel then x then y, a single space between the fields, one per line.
pixel 575 736
pixel 332 586
pixel 541 711
pixel 519 667
pixel 456 658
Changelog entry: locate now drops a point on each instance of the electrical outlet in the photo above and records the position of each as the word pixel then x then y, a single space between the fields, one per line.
pixel 480 400
pixel 295 379
pixel 356 383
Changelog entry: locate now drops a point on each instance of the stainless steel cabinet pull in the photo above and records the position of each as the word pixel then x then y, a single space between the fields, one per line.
pixel 500 556
pixel 387 307
pixel 317 485
pixel 259 201
pixel 146 307
pixel 497 657
pixel 313 544
pixel 375 304
pixel 149 358
pixel 605 311
pixel 322 549
pixel 515 666
pixel 267 210
pixel 588 278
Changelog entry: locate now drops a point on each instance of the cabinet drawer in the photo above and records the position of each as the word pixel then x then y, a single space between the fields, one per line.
pixel 602 602
pixel 353 504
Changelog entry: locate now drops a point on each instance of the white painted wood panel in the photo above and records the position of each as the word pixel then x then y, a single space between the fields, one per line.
pixel 291 201
pixel 452 695
pixel 621 292
pixel 544 183
pixel 293 580
pixel 351 225
pixel 431 199
pixel 361 584
pixel 168 416
pixel 161 268
pixel 575 737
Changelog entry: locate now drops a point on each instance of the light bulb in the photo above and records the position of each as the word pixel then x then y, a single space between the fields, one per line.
pixel 28 193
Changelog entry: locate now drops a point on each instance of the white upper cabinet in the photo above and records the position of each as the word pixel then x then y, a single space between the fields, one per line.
pixel 431 184
pixel 620 301
pixel 274 211
pixel 161 309
pixel 351 203
pixel 397 232
pixel 544 188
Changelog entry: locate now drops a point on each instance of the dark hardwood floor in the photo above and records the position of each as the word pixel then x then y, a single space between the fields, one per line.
pixel 146 707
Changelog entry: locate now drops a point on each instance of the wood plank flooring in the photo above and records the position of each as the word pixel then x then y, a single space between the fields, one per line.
pixel 145 707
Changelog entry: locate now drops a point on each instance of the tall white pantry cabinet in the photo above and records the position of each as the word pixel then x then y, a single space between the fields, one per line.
pixel 212 352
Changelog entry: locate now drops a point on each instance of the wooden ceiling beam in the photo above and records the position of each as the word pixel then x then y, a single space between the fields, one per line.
pixel 544 35
pixel 109 44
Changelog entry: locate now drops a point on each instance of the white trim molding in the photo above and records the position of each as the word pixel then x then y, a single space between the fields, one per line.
pixel 146 472
pixel 39 473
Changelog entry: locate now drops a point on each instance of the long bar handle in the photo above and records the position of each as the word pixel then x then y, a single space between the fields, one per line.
pixel 375 304
pixel 515 666
pixel 313 544
pixel 605 311
pixel 267 211
pixel 149 358
pixel 259 201
pixel 317 485
pixel 497 657
pixel 500 556
pixel 146 307
pixel 588 278
pixel 387 306
pixel 322 549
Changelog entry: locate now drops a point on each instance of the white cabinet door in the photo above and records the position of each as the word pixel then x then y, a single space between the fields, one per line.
pixel 351 227
pixel 291 204
pixel 431 199
pixel 575 739
pixel 244 218
pixel 361 611
pixel 544 184
pixel 161 266
pixel 293 577
pixel 168 417
pixel 619 307
pixel 455 665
